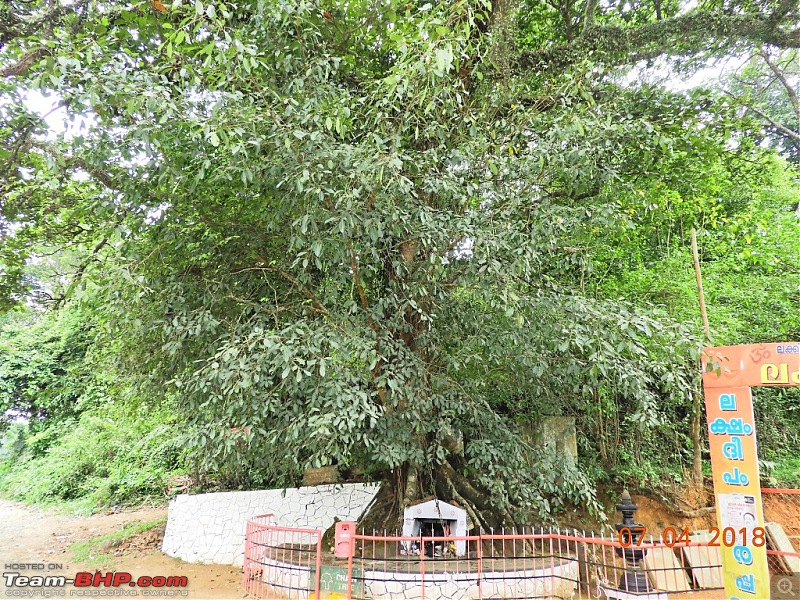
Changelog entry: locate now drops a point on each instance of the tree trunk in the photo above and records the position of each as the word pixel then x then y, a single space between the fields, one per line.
pixel 399 492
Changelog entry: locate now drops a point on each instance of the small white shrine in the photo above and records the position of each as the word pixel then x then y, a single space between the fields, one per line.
pixel 436 518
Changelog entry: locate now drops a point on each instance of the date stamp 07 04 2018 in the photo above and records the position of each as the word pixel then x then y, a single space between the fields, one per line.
pixel 671 536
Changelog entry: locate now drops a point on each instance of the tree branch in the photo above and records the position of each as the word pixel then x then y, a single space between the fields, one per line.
pixel 783 9
pixel 793 135
pixel 362 294
pixel 15 27
pixel 318 306
pixel 588 16
pixel 26 62
pixel 79 273
pixel 691 33
pixel 786 85
pixel 104 177
pixel 777 126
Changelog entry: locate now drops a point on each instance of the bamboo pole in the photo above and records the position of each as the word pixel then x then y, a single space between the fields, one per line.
pixel 700 294
pixel 697 455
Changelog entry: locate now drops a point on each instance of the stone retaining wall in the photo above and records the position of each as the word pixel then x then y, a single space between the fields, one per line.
pixel 210 528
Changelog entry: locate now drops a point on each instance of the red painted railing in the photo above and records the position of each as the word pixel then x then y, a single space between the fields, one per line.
pixel 281 562
pixel 287 562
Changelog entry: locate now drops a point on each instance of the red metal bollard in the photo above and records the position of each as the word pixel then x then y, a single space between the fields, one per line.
pixel 341 545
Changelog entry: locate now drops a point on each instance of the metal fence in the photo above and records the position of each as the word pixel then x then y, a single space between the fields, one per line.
pixel 284 562
pixel 281 562
pixel 528 565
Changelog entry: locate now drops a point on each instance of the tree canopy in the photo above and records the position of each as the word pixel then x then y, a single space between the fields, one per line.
pixel 373 233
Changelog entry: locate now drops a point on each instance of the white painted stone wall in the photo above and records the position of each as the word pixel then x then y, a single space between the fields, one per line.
pixel 210 528
pixel 557 582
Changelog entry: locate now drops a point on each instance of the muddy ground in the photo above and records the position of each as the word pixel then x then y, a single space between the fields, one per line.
pixel 30 536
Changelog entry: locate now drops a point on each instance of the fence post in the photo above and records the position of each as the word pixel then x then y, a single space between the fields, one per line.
pixel 422 565
pixel 350 553
pixel 480 565
pixel 552 562
pixel 247 552
pixel 319 564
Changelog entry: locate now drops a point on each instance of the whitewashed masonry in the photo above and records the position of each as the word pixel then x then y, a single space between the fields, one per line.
pixel 210 528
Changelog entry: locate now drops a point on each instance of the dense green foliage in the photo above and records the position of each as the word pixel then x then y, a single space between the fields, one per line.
pixel 88 440
pixel 45 372
pixel 95 461
pixel 751 271
pixel 386 237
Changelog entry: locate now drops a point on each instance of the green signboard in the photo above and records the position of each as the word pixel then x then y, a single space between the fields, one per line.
pixel 333 583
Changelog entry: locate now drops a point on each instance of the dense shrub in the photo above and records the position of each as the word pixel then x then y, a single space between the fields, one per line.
pixel 100 459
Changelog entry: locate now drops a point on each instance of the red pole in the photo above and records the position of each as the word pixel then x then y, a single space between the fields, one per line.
pixel 247 551
pixel 319 564
pixel 552 564
pixel 479 555
pixel 422 565
pixel 350 565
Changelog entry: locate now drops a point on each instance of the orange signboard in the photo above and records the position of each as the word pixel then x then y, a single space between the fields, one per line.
pixel 730 373
pixel 753 365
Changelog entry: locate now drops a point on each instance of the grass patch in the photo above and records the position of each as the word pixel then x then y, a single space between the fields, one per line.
pixel 99 552
pixel 787 472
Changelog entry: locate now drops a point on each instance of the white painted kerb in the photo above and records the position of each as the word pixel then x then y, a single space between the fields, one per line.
pixel 210 528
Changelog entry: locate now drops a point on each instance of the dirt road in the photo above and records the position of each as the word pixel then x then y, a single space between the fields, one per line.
pixel 36 542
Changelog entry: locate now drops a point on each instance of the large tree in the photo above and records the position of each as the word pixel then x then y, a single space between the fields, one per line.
pixel 768 85
pixel 351 231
